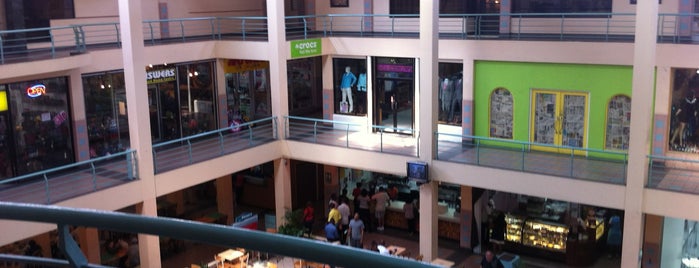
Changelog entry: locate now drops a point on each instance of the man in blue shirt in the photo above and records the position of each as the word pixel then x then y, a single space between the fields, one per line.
pixel 331 233
pixel 346 84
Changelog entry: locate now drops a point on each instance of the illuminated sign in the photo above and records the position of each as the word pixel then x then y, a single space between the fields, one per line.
pixel 36 90
pixel 3 101
pixel 160 76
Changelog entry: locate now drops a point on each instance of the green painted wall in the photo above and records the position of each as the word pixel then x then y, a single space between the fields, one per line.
pixel 602 82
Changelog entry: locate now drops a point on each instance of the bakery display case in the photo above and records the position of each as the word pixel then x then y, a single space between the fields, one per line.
pixel 513 232
pixel 540 234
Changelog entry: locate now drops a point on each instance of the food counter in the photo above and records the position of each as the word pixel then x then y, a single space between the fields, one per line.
pixel 553 240
pixel 448 220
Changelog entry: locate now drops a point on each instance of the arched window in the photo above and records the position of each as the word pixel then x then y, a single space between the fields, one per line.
pixel 618 122
pixel 501 107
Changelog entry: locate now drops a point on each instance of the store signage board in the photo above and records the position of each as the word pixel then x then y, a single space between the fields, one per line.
pixel 160 76
pixel 306 48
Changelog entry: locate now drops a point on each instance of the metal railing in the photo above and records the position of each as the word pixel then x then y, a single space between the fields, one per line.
pixel 64 182
pixel 63 41
pixel 208 145
pixel 572 162
pixel 212 234
pixel 673 174
pixel 402 141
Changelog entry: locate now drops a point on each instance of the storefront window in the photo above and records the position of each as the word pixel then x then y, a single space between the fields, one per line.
pixel 305 87
pixel 394 94
pixel 450 86
pixel 5 136
pixel 350 86
pixel 106 113
pixel 40 116
pixel 618 122
pixel 501 107
pixel 247 90
pixel 683 113
pixel 181 100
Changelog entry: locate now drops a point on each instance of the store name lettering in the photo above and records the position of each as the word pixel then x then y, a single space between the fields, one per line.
pixel 395 68
pixel 306 45
pixel 159 76
pixel 36 90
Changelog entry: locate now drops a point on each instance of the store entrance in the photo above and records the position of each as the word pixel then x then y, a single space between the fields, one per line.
pixel 559 119
pixel 164 113
pixel 394 99
pixel 5 147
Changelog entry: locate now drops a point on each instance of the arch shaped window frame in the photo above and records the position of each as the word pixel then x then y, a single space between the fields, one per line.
pixel 507 122
pixel 622 128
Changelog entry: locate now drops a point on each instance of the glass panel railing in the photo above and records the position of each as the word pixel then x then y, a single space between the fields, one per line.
pixel 673 174
pixel 208 145
pixel 61 183
pixel 402 141
pixel 564 161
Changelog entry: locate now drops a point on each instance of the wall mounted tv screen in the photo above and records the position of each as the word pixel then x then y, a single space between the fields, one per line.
pixel 417 171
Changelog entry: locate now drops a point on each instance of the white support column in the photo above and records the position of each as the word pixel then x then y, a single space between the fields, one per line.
pixel 282 189
pixel 639 143
pixel 428 220
pixel 130 18
pixel 278 55
pixel 427 97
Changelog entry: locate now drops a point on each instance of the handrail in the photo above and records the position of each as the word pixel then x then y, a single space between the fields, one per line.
pixel 213 234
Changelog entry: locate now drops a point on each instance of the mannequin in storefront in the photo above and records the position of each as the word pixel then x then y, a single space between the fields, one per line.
pixel 346 84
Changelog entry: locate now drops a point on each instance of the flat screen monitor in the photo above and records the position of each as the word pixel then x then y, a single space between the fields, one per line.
pixel 417 171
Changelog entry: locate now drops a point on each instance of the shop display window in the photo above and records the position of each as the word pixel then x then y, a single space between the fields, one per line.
pixel 450 87
pixel 197 106
pixel 350 86
pixel 393 94
pixel 683 111
pixel 618 123
pixel 247 91
pixel 501 116
pixel 305 84
pixel 106 113
pixel 41 120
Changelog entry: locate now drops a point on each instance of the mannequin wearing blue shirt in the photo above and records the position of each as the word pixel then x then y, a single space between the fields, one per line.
pixel 348 80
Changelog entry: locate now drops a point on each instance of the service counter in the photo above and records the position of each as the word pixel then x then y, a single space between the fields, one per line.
pixel 448 220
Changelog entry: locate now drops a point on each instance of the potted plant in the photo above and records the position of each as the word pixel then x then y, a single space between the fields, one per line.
pixel 293 223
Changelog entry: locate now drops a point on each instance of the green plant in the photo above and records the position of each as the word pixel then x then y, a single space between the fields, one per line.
pixel 293 223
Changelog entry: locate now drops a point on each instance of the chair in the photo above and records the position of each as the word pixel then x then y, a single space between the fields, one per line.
pixel 244 260
pixel 419 257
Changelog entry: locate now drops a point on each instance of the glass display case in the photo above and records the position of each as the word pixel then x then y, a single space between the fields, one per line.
pixel 540 234
pixel 513 232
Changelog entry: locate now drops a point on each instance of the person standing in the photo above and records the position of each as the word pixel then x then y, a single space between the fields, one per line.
pixel 382 200
pixel 364 214
pixel 334 214
pixel 356 231
pixel 614 236
pixel 331 233
pixel 344 218
pixel 308 218
pixel 409 212
pixel 490 261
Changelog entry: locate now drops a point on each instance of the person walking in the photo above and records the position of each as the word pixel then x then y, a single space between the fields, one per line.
pixel 344 218
pixel 308 218
pixel 409 212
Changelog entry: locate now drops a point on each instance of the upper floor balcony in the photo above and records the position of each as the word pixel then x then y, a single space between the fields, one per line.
pixel 63 41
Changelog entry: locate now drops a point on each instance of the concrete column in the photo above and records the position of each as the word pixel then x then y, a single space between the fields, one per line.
pixel 133 56
pixel 282 189
pixel 427 123
pixel 224 197
pixel 639 143
pixel 81 142
pixel 88 239
pixel 278 54
pixel 428 220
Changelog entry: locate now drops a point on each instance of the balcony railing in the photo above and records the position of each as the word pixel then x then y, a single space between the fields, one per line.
pixel 578 163
pixel 208 145
pixel 64 182
pixel 673 174
pixel 63 41
pixel 402 141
